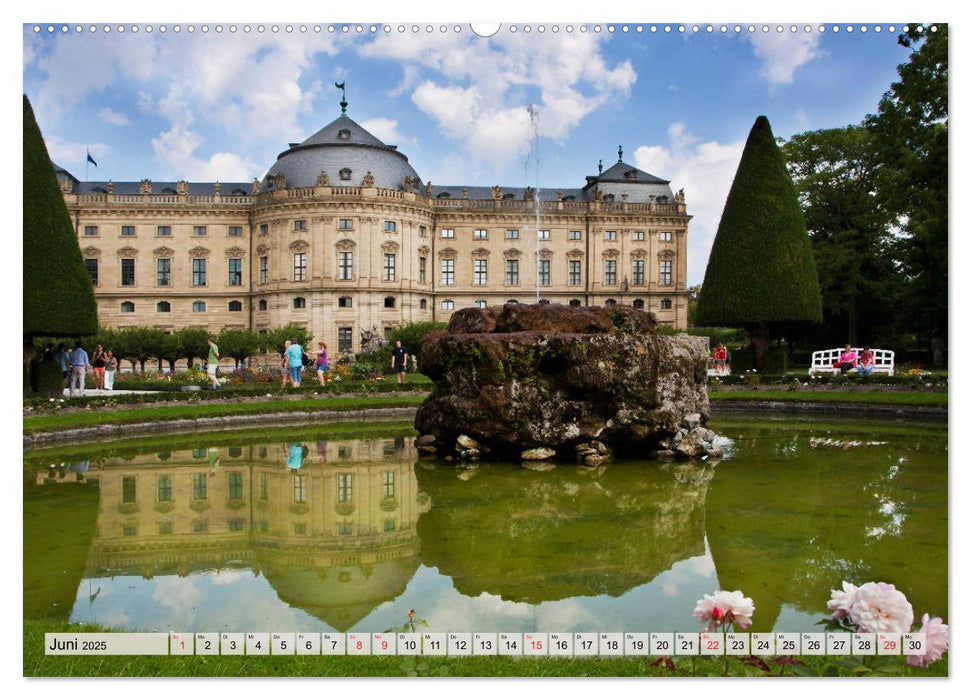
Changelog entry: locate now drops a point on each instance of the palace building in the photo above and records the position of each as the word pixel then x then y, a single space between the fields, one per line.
pixel 343 236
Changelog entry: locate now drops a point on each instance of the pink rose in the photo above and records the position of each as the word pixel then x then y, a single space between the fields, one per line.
pixel 936 636
pixel 879 607
pixel 724 607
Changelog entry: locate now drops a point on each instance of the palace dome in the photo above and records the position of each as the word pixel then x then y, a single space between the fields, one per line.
pixel 346 151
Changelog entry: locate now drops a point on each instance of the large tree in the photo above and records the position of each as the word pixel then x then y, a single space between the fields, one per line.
pixel 860 282
pixel 910 133
pixel 761 271
pixel 58 298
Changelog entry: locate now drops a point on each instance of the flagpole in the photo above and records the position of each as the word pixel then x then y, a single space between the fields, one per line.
pixel 88 151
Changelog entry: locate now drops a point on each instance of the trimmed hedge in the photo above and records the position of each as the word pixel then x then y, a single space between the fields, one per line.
pixel 761 267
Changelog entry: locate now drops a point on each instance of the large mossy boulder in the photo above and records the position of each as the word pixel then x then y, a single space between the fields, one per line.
pixel 575 380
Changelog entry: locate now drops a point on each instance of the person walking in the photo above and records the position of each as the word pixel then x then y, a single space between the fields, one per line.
pixel 213 363
pixel 111 366
pixel 98 365
pixel 294 356
pixel 322 365
pixel 399 360
pixel 61 358
pixel 285 365
pixel 78 361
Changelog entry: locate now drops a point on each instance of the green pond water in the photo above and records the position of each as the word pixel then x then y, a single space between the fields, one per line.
pixel 320 530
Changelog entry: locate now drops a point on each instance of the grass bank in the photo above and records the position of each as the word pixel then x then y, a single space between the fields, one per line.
pixel 887 398
pixel 165 412
pixel 36 663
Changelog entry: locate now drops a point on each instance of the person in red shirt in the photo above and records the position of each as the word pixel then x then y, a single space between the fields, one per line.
pixel 866 362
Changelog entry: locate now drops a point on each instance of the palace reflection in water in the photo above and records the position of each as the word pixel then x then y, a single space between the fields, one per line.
pixel 350 534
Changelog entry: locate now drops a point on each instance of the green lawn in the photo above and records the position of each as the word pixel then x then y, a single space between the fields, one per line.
pixel 94 417
pixel 895 398
pixel 36 663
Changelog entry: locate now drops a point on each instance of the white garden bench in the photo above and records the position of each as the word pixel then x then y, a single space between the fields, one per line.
pixel 823 361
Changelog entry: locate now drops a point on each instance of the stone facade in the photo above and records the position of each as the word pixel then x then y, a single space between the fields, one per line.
pixel 353 251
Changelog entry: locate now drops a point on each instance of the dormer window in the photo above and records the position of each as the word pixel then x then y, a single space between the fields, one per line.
pixel 168 190
pixel 509 195
pixel 345 174
pixel 344 135
pixel 631 174
pixel 443 195
pixel 608 197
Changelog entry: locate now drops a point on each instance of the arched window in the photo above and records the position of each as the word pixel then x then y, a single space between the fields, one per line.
pixel 422 304
pixel 344 302
pixel 638 303
pixel 575 303
pixel 128 307
pixel 299 303
pixel 610 302
pixel 544 301
pixel 389 302
pixel 344 135
pixel 235 305
pixel 163 307
pixel 481 303
pixel 345 173
pixel 512 301
pixel 447 304
pixel 198 306
pixel 262 304
pixel 665 303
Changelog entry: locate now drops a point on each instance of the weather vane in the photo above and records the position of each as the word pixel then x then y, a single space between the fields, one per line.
pixel 343 96
pixel 620 154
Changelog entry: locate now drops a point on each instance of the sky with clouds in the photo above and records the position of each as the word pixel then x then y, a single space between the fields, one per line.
pixel 221 105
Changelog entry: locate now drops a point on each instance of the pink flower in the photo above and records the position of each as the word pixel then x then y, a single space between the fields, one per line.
pixel 879 607
pixel 842 601
pixel 936 632
pixel 724 607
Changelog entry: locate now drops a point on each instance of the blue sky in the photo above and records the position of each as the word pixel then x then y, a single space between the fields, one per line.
pixel 222 105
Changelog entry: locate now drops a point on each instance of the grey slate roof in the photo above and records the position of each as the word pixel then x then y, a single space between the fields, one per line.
pixel 195 188
pixel 622 172
pixel 479 192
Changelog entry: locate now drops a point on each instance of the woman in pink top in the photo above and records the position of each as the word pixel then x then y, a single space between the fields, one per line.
pixel 847 359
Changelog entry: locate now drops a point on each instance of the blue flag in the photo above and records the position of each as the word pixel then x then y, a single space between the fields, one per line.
pixel 91 160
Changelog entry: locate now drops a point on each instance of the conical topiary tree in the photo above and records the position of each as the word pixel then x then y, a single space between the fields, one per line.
pixel 58 298
pixel 761 269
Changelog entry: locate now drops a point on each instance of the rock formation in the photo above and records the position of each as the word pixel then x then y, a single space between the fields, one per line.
pixel 546 381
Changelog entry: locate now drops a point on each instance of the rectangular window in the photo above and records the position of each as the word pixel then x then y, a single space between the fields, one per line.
pixel 448 272
pixel 127 230
pixel 574 236
pixel 344 339
pixel 345 265
pixel 389 525
pixel 198 272
pixel 422 231
pixel 481 274
pixel 387 484
pixel 299 267
pixel 199 231
pixel 447 304
pixel 300 225
pixel 574 272
pixel 236 486
pixel 665 236
pixel 128 272
pixel 448 233
pixel 127 489
pixel 199 492
pixel 421 270
pixel 345 224
pixel 544 272
pixel 389 267
pixel 264 269
pixel 665 272
pixel 637 236
pixel 512 272
pixel 344 529
pixel 264 486
pixel 610 272
pixel 163 272
pixel 543 235
pixel 345 487
pixel 610 235
pixel 299 488
pixel 638 272
pixel 91 267
pixel 90 230
pixel 165 528
pixel 264 229
pixel 512 233
pixel 235 230
pixel 390 226
pixel 236 525
pixel 235 272
pixel 480 234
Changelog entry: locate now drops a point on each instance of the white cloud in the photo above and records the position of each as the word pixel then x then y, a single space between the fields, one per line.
pixel 477 90
pixel 705 169
pixel 783 53
pixel 112 117
pixel 73 155
pixel 385 129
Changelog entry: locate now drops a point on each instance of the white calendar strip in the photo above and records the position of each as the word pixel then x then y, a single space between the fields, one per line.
pixel 557 644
